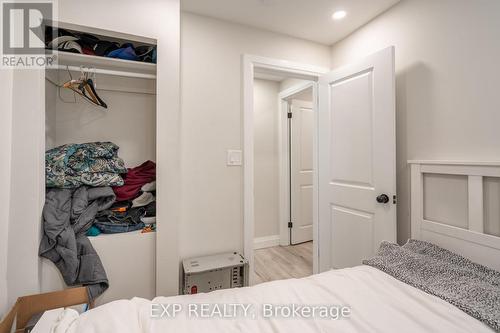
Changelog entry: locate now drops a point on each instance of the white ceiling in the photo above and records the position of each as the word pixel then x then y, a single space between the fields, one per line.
pixel 308 19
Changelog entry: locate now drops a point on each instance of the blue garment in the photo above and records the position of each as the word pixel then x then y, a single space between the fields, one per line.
pixel 116 228
pixel 126 52
pixel 93 231
pixel 132 216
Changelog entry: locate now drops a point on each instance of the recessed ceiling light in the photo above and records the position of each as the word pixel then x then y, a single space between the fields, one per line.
pixel 339 14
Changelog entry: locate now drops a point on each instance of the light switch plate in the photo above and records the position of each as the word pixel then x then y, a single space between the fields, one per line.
pixel 234 157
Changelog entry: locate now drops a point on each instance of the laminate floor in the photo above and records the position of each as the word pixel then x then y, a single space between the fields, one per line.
pixel 283 262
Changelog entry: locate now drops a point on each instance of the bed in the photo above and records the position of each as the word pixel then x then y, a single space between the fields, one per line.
pixel 418 287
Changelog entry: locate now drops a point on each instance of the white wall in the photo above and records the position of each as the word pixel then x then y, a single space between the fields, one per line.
pixel 27 188
pixel 211 81
pixel 447 68
pixel 5 142
pixel 266 158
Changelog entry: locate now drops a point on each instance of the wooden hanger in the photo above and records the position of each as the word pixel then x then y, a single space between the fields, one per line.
pixel 85 87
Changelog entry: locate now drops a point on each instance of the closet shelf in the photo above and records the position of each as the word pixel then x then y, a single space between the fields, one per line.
pixel 104 65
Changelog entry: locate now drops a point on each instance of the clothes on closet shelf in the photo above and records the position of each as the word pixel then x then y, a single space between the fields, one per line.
pixel 76 166
pixel 83 43
pixel 126 52
pixel 67 216
pixel 135 179
pixel 150 215
pixel 130 216
pixel 122 217
pixel 136 203
pixel 144 199
pixel 149 187
pixel 93 231
pixel 93 164
pixel 118 228
pixel 133 218
pixel 120 207
pixel 149 220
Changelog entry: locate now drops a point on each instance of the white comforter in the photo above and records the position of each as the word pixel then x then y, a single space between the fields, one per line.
pixel 377 303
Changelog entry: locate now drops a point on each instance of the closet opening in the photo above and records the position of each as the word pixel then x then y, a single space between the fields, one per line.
pixel 100 135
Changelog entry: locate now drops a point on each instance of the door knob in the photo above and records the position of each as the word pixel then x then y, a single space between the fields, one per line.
pixel 383 198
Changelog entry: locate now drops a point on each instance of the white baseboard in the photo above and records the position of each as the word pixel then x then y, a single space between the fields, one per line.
pixel 267 241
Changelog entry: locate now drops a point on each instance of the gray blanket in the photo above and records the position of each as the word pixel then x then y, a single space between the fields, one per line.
pixel 67 215
pixel 473 288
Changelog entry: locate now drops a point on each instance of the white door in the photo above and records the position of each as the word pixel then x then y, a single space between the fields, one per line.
pixel 302 123
pixel 356 162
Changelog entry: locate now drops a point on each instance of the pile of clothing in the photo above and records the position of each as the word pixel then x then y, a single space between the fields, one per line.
pixel 90 191
pixel 83 43
pixel 67 215
pixel 135 206
pixel 92 164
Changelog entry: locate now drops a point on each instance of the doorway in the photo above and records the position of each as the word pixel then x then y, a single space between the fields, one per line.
pixel 283 177
pixel 297 155
pixel 299 73
pixel 354 174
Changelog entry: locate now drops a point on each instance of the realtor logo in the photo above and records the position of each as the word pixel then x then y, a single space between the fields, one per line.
pixel 23 35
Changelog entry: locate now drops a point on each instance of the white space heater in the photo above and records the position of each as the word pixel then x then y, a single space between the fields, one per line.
pixel 209 273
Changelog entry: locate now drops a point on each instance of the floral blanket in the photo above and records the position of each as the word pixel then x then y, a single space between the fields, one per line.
pixel 92 164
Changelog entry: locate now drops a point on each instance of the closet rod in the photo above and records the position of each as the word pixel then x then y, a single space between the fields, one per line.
pixel 57 85
pixel 108 72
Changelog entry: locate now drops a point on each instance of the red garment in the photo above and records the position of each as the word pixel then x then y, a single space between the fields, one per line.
pixel 88 51
pixel 134 180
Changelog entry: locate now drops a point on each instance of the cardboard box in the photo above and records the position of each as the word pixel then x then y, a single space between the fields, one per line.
pixel 27 306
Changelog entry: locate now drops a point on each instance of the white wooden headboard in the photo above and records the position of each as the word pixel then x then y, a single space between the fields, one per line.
pixel 469 239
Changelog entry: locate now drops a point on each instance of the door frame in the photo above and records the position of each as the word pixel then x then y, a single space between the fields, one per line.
pixel 293 69
pixel 284 99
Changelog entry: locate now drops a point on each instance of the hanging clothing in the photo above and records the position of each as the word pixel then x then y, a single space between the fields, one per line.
pixel 134 180
pixel 67 216
pixel 93 164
